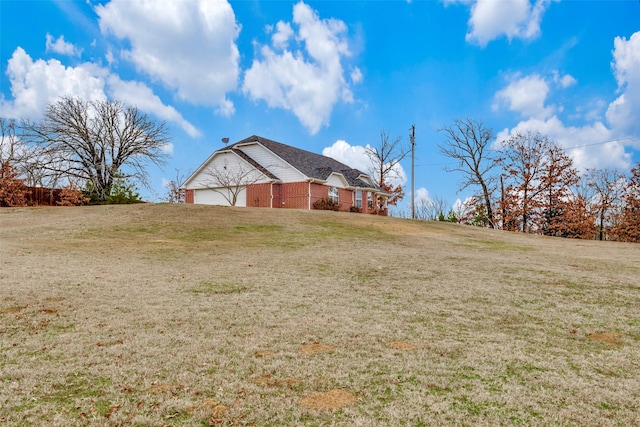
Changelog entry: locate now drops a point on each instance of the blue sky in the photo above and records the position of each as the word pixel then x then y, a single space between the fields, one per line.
pixel 328 76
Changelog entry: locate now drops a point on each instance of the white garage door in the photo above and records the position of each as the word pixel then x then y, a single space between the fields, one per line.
pixel 211 197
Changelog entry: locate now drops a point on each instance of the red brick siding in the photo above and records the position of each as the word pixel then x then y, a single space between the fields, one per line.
pixel 188 196
pixel 259 195
pixel 294 195
pixel 318 192
pixel 346 199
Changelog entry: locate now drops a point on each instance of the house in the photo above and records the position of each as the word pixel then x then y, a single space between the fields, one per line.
pixel 258 172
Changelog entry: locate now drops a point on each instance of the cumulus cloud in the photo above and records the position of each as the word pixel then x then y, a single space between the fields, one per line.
pixel 188 46
pixel 622 113
pixel 140 95
pixel 526 96
pixel 351 155
pixel 35 84
pixel 60 46
pixel 564 81
pixel 302 70
pixel 590 146
pixel 596 144
pixel 356 157
pixel 492 19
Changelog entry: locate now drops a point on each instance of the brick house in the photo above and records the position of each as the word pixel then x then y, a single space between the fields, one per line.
pixel 258 172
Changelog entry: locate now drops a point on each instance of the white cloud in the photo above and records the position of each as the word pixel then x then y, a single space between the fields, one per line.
pixel 188 46
pixel 564 81
pixel 526 96
pixel 302 71
pixel 282 35
pixel 351 155
pixel 60 46
pixel 422 196
pixel 622 113
pixel 35 84
pixel 140 95
pixel 491 19
pixel 356 157
pixel 356 75
pixel 590 146
pixel 594 144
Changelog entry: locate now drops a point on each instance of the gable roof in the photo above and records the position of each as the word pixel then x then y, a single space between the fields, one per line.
pixel 314 166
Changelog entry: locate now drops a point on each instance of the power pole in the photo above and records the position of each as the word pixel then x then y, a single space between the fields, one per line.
pixel 413 156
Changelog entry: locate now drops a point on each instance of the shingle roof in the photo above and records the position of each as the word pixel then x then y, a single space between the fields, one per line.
pixel 312 165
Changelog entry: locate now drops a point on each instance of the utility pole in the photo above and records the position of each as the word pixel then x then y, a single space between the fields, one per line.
pixel 413 156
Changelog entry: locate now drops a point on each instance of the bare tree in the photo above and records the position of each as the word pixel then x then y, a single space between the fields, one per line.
pixel 175 193
pixel 385 158
pixel 431 209
pixel 230 180
pixel 608 186
pixel 97 141
pixel 468 142
pixel 10 144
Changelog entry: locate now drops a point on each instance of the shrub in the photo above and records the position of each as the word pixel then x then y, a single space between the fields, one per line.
pixel 326 205
pixel 12 189
pixel 72 196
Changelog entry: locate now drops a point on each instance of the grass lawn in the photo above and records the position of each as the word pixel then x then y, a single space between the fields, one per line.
pixel 157 315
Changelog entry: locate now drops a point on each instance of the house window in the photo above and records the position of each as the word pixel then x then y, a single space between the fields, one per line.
pixel 358 198
pixel 334 195
pixel 369 200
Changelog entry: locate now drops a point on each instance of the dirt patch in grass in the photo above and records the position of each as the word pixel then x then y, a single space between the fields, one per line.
pixel 333 399
pixel 402 345
pixel 159 388
pixel 315 348
pixel 12 310
pixel 605 337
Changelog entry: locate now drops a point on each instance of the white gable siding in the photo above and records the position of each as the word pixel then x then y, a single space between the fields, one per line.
pixel 337 180
pixel 368 180
pixel 233 163
pixel 273 163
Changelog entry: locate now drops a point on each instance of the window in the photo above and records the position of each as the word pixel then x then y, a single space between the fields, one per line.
pixel 370 200
pixel 358 198
pixel 334 195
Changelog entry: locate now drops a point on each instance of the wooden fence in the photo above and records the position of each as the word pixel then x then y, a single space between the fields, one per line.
pixel 38 196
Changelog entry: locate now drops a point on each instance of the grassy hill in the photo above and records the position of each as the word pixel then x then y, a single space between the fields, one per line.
pixel 195 315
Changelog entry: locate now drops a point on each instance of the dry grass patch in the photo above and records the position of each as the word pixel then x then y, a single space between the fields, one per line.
pixel 159 314
pixel 402 345
pixel 315 348
pixel 331 400
pixel 12 310
pixel 605 337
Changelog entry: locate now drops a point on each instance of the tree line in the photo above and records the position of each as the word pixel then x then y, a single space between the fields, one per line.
pixel 93 150
pixel 529 184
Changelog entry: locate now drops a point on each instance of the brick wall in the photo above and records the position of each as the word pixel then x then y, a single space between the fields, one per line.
pixel 188 196
pixel 318 192
pixel 295 195
pixel 346 199
pixel 259 195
